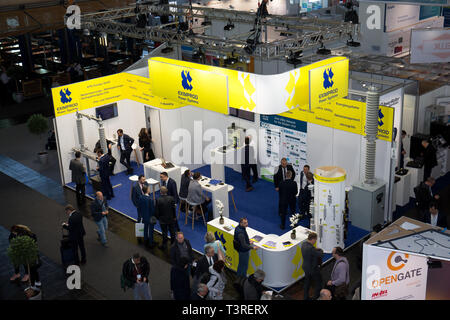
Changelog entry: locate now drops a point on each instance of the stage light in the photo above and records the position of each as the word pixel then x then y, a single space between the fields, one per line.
pixel 322 50
pixel 352 43
pixel 294 58
pixel 167 50
pixel 229 26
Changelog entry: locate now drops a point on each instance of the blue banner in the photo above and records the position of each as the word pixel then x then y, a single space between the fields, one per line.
pixel 288 123
pixel 442 2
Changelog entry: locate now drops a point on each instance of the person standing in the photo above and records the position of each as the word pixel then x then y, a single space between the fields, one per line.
pixel 402 150
pixel 203 264
pixel 137 192
pixel 283 168
pixel 99 211
pixel 79 177
pixel 124 145
pixel 179 279
pixel 434 217
pixel 340 275
pixel 249 164
pixel 303 199
pixel 216 244
pixel 288 198
pixel 147 209
pixel 312 259
pixel 145 143
pixel 243 246
pixel 135 271
pixel 165 212
pixel 104 171
pixel 306 198
pixel 172 191
pixel 112 160
pixel 430 160
pixel 217 281
pixel 424 195
pixel 181 249
pixel 76 233
pixel 325 294
pixel 186 179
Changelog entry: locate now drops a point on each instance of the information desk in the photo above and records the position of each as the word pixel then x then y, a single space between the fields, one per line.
pixel 221 157
pixel 218 192
pixel 152 169
pixel 282 265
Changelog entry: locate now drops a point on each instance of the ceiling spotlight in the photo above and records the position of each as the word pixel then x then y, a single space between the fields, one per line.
pixel 229 26
pixel 322 50
pixel 352 43
pixel 250 48
pixel 294 58
pixel 167 50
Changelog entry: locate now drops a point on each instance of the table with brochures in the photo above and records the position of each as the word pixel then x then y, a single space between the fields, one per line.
pixel 280 257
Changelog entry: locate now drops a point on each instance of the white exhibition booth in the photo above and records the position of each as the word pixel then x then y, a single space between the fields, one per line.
pixel 185 135
pixel 408 260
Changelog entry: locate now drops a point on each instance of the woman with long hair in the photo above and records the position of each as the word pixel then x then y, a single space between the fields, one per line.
pixel 145 142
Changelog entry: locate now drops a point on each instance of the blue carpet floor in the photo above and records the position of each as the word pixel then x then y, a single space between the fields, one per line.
pixel 260 207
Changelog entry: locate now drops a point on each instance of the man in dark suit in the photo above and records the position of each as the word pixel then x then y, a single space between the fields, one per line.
pixel 304 194
pixel 147 209
pixel 124 145
pixel 283 168
pixel 434 217
pixel 112 160
pixel 103 168
pixel 430 160
pixel 165 212
pixel 201 293
pixel 79 177
pixel 203 265
pixel 137 192
pixel 171 186
pixel 76 233
pixel 180 250
pixel 312 259
pixel 249 163
pixel 305 197
pixel 424 195
pixel 288 197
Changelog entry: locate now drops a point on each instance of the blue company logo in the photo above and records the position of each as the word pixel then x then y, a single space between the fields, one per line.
pixel 328 78
pixel 186 80
pixel 221 239
pixel 380 116
pixel 65 95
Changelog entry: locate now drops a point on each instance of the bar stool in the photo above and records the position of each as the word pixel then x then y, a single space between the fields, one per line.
pixel 152 182
pixel 133 179
pixel 178 210
pixel 194 205
pixel 230 190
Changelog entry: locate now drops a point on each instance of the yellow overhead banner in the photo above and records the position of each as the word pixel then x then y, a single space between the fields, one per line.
pixel 328 83
pixel 88 94
pixel 189 86
pixel 346 115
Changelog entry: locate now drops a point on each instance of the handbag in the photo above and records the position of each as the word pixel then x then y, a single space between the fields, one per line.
pixel 139 228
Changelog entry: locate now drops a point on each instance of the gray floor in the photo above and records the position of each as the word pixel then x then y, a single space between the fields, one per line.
pixel 17 143
pixel 102 272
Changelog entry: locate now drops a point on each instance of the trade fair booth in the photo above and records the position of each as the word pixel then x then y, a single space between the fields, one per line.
pixel 408 260
pixel 303 114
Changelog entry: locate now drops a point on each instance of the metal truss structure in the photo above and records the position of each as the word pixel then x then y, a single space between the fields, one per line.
pixel 301 33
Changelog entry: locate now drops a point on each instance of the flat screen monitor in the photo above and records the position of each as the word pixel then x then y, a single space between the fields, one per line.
pixel 106 112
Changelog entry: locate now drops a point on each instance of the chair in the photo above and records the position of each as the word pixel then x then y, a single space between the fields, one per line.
pixel 194 205
pixel 152 182
pixel 230 190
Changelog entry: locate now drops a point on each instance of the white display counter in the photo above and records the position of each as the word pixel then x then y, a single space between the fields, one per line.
pixel 415 180
pixel 218 192
pixel 282 265
pixel 220 158
pixel 152 169
pixel 403 189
